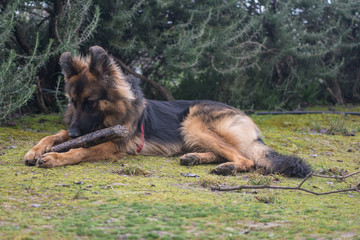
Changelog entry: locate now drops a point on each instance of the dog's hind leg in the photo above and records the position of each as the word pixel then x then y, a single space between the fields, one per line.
pixel 225 133
pixel 207 140
pixel 221 152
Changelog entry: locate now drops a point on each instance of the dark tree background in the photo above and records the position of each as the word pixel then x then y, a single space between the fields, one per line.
pixel 252 54
pixel 32 36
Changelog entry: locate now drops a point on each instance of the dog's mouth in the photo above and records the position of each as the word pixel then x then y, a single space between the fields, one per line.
pixel 74 132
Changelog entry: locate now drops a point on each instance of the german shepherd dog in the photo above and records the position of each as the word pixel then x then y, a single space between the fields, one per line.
pixel 101 96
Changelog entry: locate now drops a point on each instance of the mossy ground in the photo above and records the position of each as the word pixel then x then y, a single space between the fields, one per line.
pixel 99 201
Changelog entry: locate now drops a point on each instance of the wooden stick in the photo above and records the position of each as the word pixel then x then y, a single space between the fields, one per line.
pixel 92 139
pixel 298 188
pixel 355 189
pixel 307 112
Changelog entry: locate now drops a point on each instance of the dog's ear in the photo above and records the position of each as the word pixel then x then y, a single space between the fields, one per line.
pixel 67 65
pixel 100 61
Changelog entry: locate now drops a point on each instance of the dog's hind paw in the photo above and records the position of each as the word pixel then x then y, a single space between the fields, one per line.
pixel 189 160
pixel 224 169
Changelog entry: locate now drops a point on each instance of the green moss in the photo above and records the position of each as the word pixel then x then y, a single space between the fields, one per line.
pixel 91 201
pixel 50 123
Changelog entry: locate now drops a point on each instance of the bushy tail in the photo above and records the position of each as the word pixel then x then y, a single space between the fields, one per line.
pixel 291 166
pixel 273 162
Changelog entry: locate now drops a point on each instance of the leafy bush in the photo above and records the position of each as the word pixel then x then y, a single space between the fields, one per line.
pixel 29 53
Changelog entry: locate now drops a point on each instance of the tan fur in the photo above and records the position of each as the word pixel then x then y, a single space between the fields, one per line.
pixel 160 149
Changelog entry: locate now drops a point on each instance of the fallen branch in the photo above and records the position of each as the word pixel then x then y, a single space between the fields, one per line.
pixel 298 188
pixel 305 112
pixel 92 139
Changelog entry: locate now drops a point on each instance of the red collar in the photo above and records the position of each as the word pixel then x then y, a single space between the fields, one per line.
pixel 140 146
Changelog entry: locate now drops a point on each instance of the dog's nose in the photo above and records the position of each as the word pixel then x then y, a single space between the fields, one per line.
pixel 74 132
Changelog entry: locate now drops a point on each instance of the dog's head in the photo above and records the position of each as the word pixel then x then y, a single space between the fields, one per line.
pixel 96 89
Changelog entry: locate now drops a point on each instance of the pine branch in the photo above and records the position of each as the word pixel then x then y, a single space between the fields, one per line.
pixel 20 37
pixel 297 188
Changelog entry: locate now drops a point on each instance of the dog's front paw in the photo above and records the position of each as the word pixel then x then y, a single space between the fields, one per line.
pixel 31 157
pixel 49 160
pixel 34 154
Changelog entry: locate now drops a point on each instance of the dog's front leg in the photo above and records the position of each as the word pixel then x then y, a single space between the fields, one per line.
pixel 44 146
pixel 102 151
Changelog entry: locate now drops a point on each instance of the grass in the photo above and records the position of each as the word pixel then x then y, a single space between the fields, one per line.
pixel 256 178
pixel 139 197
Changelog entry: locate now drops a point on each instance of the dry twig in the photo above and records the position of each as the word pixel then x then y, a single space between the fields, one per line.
pixel 298 188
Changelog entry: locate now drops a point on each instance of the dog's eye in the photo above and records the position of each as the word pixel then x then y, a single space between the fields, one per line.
pixel 90 102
